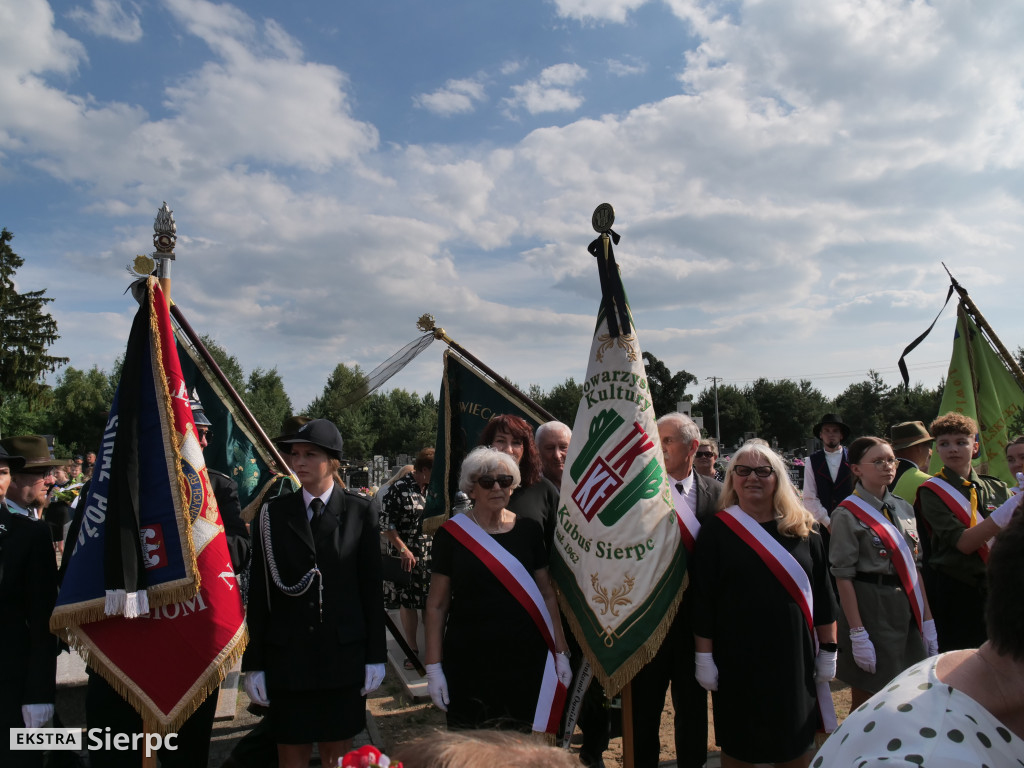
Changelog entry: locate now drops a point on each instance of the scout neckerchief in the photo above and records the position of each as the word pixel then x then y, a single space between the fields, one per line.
pixel 793 579
pixel 520 583
pixel 964 511
pixel 903 559
pixel 689 525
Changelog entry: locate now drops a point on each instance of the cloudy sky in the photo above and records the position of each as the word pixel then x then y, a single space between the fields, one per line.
pixel 787 176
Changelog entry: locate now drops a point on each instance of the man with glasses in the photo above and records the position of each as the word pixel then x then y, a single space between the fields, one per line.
pixel 694 496
pixel 31 483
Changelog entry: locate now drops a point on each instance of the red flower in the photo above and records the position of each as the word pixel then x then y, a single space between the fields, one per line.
pixel 367 757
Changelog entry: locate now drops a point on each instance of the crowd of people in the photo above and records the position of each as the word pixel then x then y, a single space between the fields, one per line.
pixel 877 571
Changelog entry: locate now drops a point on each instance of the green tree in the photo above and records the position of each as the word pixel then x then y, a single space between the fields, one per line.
pixel 351 418
pixel 916 404
pixel 267 400
pixel 667 388
pixel 563 400
pixel 862 406
pixel 27 332
pixel 81 403
pixel 788 410
pixel 737 414
pixel 229 364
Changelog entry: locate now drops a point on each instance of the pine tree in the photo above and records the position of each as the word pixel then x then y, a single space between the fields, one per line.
pixel 26 331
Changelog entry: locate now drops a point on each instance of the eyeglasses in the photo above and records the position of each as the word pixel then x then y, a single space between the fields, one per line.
pixel 705 454
pixel 487 481
pixel 744 471
pixel 201 433
pixel 881 464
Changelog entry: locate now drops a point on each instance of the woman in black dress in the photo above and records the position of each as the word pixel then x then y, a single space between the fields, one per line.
pixel 486 657
pixel 316 607
pixel 536 497
pixel 755 650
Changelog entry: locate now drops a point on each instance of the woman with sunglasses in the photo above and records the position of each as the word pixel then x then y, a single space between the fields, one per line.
pixel 493 654
pixel 764 614
pixel 885 624
pixel 535 497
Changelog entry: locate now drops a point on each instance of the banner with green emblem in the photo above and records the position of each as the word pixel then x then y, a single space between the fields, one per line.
pixel 618 557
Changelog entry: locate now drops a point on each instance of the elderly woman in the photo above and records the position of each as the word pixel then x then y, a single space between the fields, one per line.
pixel 495 651
pixel 885 624
pixel 316 608
pixel 536 497
pixel 764 614
pixel 958 709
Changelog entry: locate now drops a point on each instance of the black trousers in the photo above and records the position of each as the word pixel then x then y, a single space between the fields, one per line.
pixel 959 612
pixel 105 708
pixel 673 665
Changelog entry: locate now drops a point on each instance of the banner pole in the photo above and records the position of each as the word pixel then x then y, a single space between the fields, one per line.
pixel 439 333
pixel 235 398
pixel 627 725
pixel 972 309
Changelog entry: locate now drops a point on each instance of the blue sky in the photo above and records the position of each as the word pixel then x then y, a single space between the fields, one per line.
pixel 787 177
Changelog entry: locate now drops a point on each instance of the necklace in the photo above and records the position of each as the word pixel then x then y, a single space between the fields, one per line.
pixel 497 529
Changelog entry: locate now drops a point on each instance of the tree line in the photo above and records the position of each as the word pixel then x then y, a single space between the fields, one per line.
pixel 397 421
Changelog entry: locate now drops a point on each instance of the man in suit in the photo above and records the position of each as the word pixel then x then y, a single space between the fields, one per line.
pixel 28 591
pixel 316 606
pixel 827 477
pixel 674 662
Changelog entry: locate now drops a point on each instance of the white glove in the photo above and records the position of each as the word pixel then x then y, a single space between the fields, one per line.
pixel 562 669
pixel 256 687
pixel 825 666
pixel 374 677
pixel 863 649
pixel 36 715
pixel 1004 511
pixel 931 637
pixel 437 686
pixel 706 671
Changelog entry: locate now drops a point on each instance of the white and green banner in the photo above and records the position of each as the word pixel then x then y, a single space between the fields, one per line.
pixel 617 558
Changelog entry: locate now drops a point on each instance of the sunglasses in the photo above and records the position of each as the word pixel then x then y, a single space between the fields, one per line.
pixel 744 471
pixel 487 481
pixel 705 455
pixel 201 432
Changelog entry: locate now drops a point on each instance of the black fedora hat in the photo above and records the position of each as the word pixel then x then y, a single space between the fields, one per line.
pixel 318 432
pixel 14 462
pixel 832 418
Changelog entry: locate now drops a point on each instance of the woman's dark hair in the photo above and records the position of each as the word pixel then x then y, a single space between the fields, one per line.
pixel 529 465
pixel 1004 610
pixel 859 447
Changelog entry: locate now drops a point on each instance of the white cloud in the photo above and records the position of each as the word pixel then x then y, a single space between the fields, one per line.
pixel 110 18
pixel 457 97
pixel 597 10
pixel 633 66
pixel 551 92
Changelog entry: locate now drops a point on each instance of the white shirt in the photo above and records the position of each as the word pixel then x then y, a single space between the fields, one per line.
pixel 308 498
pixel 689 493
pixel 833 459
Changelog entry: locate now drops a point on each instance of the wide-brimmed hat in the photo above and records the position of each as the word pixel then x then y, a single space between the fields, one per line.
pixel 14 462
pixel 832 418
pixel 319 432
pixel 290 426
pixel 34 450
pixel 909 433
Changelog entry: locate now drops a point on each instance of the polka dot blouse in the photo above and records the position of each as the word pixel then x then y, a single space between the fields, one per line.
pixel 917 720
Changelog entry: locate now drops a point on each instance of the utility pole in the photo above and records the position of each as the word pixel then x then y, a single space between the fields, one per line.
pixel 718 429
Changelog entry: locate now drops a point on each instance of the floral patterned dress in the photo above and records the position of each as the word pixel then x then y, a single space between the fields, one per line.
pixel 401 511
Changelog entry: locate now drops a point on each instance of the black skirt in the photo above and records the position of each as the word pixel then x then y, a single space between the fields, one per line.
pixel 306 717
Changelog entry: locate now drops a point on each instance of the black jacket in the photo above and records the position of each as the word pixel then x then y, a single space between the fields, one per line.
pixel 287 638
pixel 225 490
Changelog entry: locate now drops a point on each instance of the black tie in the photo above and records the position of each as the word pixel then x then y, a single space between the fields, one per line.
pixel 679 487
pixel 317 505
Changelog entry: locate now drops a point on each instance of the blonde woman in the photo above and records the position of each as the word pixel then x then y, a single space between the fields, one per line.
pixel 764 614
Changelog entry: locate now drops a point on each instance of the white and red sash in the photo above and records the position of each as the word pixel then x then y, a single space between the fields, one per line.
pixel 689 525
pixel 795 581
pixel 903 558
pixel 520 583
pixel 957 504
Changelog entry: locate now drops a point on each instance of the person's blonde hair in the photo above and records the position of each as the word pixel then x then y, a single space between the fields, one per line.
pixel 794 520
pixel 472 749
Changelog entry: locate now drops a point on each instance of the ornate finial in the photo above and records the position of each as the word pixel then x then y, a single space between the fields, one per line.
pixel 142 266
pixel 165 233
pixel 603 218
pixel 426 322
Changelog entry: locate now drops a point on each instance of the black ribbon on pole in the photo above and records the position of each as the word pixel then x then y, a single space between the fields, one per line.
pixel 613 295
pixel 918 340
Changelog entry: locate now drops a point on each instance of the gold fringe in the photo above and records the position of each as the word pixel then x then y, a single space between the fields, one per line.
pixel 153 720
pixel 249 513
pixel 641 657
